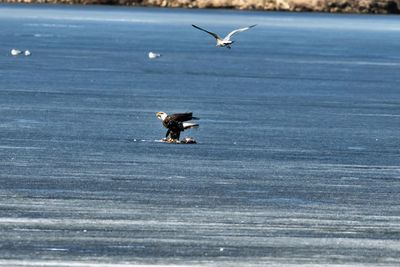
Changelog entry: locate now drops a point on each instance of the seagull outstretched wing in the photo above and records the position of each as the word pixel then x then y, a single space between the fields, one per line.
pixel 228 37
pixel 213 34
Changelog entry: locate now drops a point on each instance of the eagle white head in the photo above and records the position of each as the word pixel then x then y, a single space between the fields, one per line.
pixel 161 115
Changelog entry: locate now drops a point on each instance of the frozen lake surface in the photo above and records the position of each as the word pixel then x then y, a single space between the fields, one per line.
pixel 298 154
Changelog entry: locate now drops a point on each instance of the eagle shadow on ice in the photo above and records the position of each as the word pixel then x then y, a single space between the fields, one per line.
pixel 177 123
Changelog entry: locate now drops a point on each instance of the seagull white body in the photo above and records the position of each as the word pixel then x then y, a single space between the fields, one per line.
pixel 226 41
pixel 15 52
pixel 153 55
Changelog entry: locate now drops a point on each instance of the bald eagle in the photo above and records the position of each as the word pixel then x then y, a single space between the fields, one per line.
pixel 176 123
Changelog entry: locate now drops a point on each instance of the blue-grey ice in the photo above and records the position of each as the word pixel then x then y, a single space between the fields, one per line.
pixel 297 161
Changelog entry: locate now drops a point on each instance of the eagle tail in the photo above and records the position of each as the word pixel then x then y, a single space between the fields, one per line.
pixel 189 125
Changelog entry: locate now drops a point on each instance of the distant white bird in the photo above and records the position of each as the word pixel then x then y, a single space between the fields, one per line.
pixel 153 55
pixel 15 52
pixel 225 42
pixel 27 53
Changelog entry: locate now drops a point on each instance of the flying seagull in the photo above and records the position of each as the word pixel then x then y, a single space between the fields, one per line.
pixel 224 42
pixel 176 123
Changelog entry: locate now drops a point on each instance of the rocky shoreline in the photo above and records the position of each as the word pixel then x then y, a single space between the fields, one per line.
pixel 331 6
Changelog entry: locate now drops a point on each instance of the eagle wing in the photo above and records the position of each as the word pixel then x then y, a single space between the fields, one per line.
pixel 213 34
pixel 181 117
pixel 228 37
